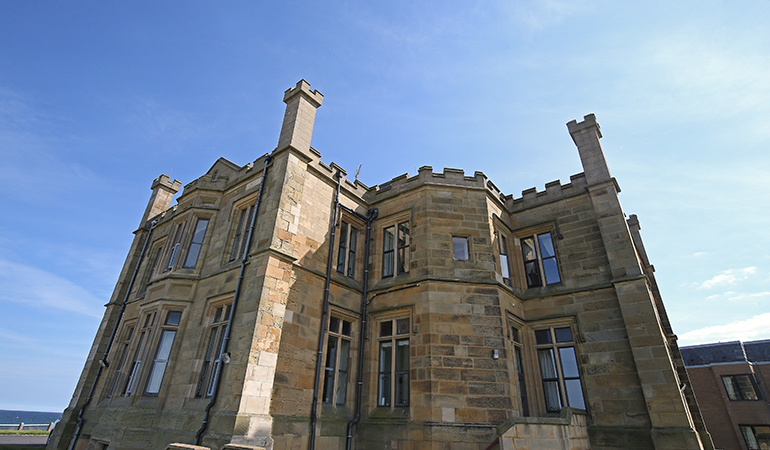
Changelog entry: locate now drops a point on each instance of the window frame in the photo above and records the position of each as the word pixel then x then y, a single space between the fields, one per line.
pixel 555 345
pixel 159 360
pixel 213 346
pixel 245 212
pixel 175 244
pixel 467 242
pixel 121 364
pixel 518 331
pixel 139 346
pixel 347 247
pixel 396 257
pixel 503 254
pixel 533 234
pixel 738 393
pixel 754 434
pixel 198 245
pixel 392 371
pixel 332 374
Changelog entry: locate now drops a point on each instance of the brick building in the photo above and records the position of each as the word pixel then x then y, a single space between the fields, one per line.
pixel 730 380
pixel 281 304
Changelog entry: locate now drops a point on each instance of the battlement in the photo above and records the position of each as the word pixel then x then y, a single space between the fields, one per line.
pixel 554 190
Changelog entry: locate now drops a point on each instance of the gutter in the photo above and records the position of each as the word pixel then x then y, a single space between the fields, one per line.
pixel 324 315
pixel 373 213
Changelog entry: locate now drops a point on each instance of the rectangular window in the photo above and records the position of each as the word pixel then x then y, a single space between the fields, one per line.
pixel 519 353
pixel 346 252
pixel 505 269
pixel 162 354
pixel 120 375
pixel 559 369
pixel 136 362
pixel 460 249
pixel 540 260
pixel 196 243
pixel 395 249
pixel 241 232
pixel 757 436
pixel 174 248
pixel 393 366
pixel 213 351
pixel 336 367
pixel 155 257
pixel 741 387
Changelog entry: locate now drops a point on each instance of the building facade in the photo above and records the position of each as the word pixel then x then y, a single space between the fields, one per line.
pixel 281 304
pixel 730 380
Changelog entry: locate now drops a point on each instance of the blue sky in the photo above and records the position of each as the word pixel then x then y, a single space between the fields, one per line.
pixel 99 98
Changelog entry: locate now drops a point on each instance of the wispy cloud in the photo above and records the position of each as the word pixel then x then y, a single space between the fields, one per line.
pixel 726 277
pixel 38 288
pixel 743 330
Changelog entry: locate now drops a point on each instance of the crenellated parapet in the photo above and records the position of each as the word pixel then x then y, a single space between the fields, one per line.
pixel 553 191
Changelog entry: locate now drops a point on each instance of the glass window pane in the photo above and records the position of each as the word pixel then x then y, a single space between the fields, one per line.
pixel 192 255
pixel 342 388
pixel 528 249
pixel 334 324
pixel 156 376
pixel 386 328
pixel 346 326
pixel 383 399
pixel 574 394
pixel 387 264
pixel 546 245
pixel 173 317
pixel 460 248
pixel 344 354
pixel 762 435
pixel 745 387
pixel 166 340
pixel 551 269
pixel 552 399
pixel 402 389
pixel 389 239
pixel 569 365
pixel 331 352
pixel 543 337
pixel 563 334
pixel 218 315
pixel 504 266
pixel 341 253
pixel 385 356
pixel 532 272
pixel 402 355
pixel 751 441
pixel 547 363
pixel 730 388
pixel 402 326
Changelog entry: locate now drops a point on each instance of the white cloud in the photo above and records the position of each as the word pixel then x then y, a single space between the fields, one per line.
pixel 730 276
pixel 36 287
pixel 747 296
pixel 743 330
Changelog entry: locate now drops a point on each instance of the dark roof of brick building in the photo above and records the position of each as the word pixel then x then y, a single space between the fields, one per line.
pixel 726 352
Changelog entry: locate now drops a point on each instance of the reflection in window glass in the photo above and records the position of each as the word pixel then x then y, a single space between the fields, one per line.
pixel 460 248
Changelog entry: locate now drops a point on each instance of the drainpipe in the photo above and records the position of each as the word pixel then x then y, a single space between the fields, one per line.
pixel 224 357
pixel 364 303
pixel 329 262
pixel 103 362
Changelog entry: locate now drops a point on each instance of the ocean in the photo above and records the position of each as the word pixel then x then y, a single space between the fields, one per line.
pixel 7 416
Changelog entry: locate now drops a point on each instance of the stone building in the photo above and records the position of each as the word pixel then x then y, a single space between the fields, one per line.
pixel 282 304
pixel 730 380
